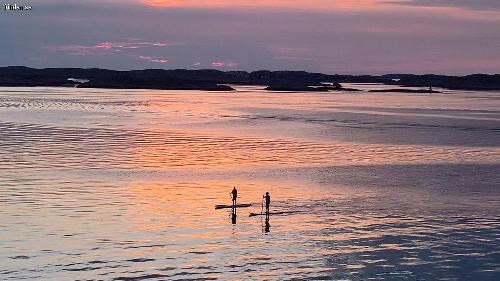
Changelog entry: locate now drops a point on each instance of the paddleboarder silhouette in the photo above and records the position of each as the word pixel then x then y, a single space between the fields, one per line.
pixel 234 195
pixel 267 198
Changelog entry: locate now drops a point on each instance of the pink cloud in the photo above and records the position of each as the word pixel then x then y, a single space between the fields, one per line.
pixel 223 64
pixel 106 47
pixel 218 64
pixel 160 44
pixel 156 60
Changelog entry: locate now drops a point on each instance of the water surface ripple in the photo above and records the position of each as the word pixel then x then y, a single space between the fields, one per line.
pixel 121 185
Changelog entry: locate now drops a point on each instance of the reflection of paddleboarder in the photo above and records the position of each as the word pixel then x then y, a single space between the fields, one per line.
pixel 267 226
pixel 234 195
pixel 233 216
pixel 267 198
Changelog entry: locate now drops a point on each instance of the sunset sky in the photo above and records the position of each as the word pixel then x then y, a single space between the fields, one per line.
pixel 331 36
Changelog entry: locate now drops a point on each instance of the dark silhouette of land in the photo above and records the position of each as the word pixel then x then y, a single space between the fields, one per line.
pixel 215 80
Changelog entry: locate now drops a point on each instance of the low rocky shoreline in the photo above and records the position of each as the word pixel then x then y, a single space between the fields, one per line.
pixel 215 80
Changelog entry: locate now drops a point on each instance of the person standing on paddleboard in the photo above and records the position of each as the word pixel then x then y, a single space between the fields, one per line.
pixel 267 197
pixel 234 195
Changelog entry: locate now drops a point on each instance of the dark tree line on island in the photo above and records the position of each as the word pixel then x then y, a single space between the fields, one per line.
pixel 215 80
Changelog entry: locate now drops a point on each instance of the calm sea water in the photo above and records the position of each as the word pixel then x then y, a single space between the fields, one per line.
pixel 121 185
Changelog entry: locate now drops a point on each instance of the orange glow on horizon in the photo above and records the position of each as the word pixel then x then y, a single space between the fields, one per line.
pixel 345 6
pixel 161 3
pixel 318 5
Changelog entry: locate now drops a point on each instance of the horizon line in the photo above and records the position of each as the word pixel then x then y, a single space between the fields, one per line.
pixel 250 71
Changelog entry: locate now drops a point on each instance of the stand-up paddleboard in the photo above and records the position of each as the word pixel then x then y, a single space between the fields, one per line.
pixel 271 213
pixel 217 207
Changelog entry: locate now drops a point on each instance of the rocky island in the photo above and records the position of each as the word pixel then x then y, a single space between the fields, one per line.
pixel 215 80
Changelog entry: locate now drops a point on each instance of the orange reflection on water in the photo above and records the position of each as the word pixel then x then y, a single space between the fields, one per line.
pixel 167 150
pixel 189 204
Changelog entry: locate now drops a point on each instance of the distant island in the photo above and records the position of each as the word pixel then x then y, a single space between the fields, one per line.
pixel 215 80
